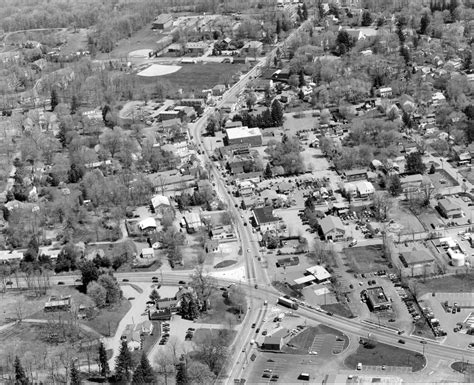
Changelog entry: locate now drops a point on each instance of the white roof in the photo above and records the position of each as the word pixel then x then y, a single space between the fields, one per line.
pixel 305 279
pixel 449 241
pixel 242 132
pixel 146 223
pixel 364 187
pixel 159 200
pixel 6 255
pixel 319 272
pixel 148 250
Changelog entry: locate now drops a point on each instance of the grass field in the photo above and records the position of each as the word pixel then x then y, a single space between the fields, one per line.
pixel 403 216
pixel 339 309
pixel 225 263
pixel 302 342
pixel 204 333
pixel 449 284
pixel 441 179
pixel 222 311
pixel 365 259
pixel 196 77
pixel 383 354
pixel 468 173
pixel 107 321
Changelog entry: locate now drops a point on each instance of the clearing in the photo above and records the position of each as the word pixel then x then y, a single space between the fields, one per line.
pixel 366 259
pixel 382 354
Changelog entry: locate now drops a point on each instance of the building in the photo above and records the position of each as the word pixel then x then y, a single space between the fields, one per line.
pixel 276 340
pixel 147 253
pixel 289 261
pixel 332 228
pixel 461 155
pixel 418 261
pixel 437 98
pixel 147 224
pixel 7 256
pixel 282 75
pixel 163 21
pixel 385 92
pixel 411 183
pixel 58 304
pixel 246 188
pixel 192 222
pixel 265 220
pixel 376 299
pixel 170 304
pixel 132 337
pixel 239 135
pixel 253 48
pixel 160 315
pixel 448 209
pixel 160 201
pixel 197 104
pixel 197 48
pixel 219 89
pixel 364 189
pixel 222 233
pixel 356 174
pixel 319 273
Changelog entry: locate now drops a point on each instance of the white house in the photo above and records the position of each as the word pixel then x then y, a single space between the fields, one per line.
pixel 147 224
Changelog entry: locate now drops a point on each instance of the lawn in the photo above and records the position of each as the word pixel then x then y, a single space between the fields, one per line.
pixel 196 77
pixel 33 340
pixel 107 321
pixel 403 216
pixel 9 302
pixel 204 334
pixel 339 309
pixel 422 329
pixel 448 284
pixel 463 367
pixel 224 311
pixel 388 355
pixel 468 173
pixel 225 263
pixel 441 179
pixel 302 342
pixel 366 259
pixel 148 342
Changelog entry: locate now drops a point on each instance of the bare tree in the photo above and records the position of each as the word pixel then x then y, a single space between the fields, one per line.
pixel 165 366
pixel 20 308
pixel 204 285
pixel 174 346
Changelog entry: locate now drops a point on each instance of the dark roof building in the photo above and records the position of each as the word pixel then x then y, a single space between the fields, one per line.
pixel 376 299
pixel 275 341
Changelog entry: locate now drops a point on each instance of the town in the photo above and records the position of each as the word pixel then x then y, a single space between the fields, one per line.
pixel 202 192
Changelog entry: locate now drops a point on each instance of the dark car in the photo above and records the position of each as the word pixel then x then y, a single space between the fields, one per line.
pixel 266 375
pixel 60 283
pixel 182 283
pixel 401 341
pixel 125 280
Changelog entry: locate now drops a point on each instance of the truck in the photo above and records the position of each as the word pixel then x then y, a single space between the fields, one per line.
pixel 287 302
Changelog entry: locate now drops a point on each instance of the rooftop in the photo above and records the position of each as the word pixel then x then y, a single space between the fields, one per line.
pixel 416 257
pixel 331 223
pixel 319 272
pixel 376 295
pixel 448 205
pixel 264 215
pixel 242 132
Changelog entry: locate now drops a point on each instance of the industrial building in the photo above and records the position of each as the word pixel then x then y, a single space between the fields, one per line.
pixel 239 135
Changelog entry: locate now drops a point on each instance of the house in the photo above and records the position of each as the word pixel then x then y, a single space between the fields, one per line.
pixel 159 202
pixel 238 135
pixel 211 246
pixel 219 89
pixel 356 174
pixel 282 75
pixel 437 98
pixel 385 92
pixel 192 222
pixel 364 189
pixel 276 341
pixel 461 155
pixel 261 85
pixel 197 104
pixel 222 233
pixel 407 103
pixel 265 220
pixel 168 115
pixel 230 105
pixel 288 261
pixel 147 224
pixel 319 273
pixel 411 183
pixel 332 228
pixel 132 337
pixel 163 21
pixel 7 256
pixel 253 48
pixel 147 253
pixel 448 209
pixel 355 34
pixel 376 299
pixel 285 187
pixel 197 48
pixel 246 188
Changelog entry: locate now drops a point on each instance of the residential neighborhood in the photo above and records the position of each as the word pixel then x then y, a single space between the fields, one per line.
pixel 223 192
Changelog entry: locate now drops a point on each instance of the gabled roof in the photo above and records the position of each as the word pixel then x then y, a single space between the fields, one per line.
pixel 331 223
pixel 264 215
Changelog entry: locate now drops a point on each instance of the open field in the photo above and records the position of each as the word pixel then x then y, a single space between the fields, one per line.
pixel 441 179
pixel 403 216
pixel 323 340
pixel 383 354
pixel 159 70
pixel 339 309
pixel 366 259
pixel 10 300
pixel 204 333
pixel 197 77
pixel 448 284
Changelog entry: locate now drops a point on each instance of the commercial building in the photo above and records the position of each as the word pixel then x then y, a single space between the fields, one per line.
pixel 448 209
pixel 319 273
pixel 239 135
pixel 418 262
pixel 376 299
pixel 163 21
pixel 265 220
pixel 276 341
pixel 332 228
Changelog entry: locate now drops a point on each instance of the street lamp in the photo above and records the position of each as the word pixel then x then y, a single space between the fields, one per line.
pixel 423 343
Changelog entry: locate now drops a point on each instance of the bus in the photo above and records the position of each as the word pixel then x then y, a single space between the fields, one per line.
pixel 287 302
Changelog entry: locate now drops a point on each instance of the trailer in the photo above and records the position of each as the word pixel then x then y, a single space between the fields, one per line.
pixel 287 302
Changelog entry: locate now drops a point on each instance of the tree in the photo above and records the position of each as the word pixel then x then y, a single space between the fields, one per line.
pixel 89 272
pixel 277 113
pixel 75 375
pixel 286 154
pixel 212 350
pixel 74 104
pixel 268 171
pixel 366 19
pixel 203 284
pixel 98 293
pixel 20 375
pixel 123 363
pixel 304 11
pixel 382 205
pixel 154 295
pixel 301 79
pixel 343 42
pixel 112 288
pixel 414 163
pixel 143 373
pixel 54 99
pixel 74 174
pixel 432 169
pixel 211 127
pixel 424 23
pixel 250 100
pixel 181 374
pixel 103 362
pixel 394 185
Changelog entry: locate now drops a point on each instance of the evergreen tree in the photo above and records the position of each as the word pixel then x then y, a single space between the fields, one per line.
pixel 181 374
pixel 54 99
pixel 143 373
pixel 277 113
pixel 268 171
pixel 424 23
pixel 278 27
pixel 394 185
pixel 243 206
pixel 154 295
pixel 123 363
pixel 75 376
pixel 20 375
pixel 103 363
pixel 305 12
pixel 302 82
pixel 74 104
pixel 366 19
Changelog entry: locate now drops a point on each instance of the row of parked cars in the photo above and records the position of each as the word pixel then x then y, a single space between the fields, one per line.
pixel 165 333
pixel 433 322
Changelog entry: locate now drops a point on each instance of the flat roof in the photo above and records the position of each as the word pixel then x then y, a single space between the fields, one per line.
pixel 242 132
pixel 376 295
pixel 319 272
pixel 305 279
pixel 416 257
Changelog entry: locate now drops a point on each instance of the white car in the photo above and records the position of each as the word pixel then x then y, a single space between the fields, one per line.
pixel 313 353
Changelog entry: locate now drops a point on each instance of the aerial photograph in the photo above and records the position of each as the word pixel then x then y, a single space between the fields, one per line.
pixel 200 192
